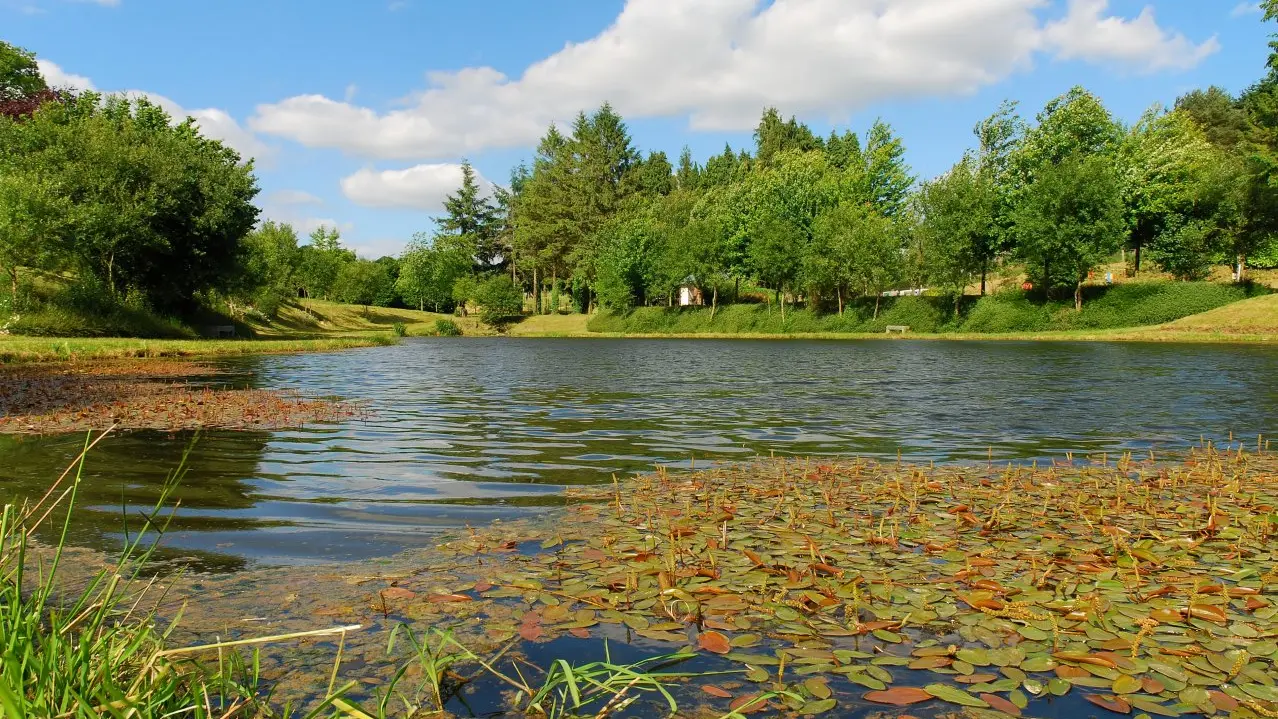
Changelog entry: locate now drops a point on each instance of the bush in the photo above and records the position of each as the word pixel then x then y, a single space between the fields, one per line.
pixel 447 328
pixel 499 300
pixel 920 314
pixel 399 329
pixel 1009 311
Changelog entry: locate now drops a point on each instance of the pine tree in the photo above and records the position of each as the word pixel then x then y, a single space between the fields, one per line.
pixel 470 221
pixel 688 176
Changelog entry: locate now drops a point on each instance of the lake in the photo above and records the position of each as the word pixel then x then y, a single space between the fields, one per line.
pixel 465 431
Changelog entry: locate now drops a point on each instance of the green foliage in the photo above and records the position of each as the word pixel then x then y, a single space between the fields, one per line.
pixel 400 329
pixel 19 74
pixel 1125 305
pixel 499 300
pixel 958 227
pixel 447 328
pixel 1070 220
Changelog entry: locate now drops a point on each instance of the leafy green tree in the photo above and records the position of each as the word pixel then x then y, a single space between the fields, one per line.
pixel 775 251
pixel 958 226
pixel 499 300
pixel 1071 220
pixel 887 176
pixel 630 250
pixel 319 262
pixel 700 250
pixel 268 267
pixel 1217 114
pixel 19 75
pixel 427 273
pixel 1166 158
pixel 361 282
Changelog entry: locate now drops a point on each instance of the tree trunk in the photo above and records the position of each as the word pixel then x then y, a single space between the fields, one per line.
pixel 839 291
pixel 782 296
pixel 1242 267
pixel 714 301
pixel 1136 260
pixel 1047 280
pixel 1078 295
pixel 878 297
pixel 554 289
pixel 736 292
pixel 536 291
pixel 985 266
pixel 13 282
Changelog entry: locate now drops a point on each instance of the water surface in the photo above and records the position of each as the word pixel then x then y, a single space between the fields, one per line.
pixel 469 430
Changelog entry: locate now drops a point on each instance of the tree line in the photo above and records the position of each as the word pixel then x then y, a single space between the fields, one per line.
pixel 137 208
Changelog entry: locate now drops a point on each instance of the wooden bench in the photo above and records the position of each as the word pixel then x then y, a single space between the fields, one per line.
pixel 898 328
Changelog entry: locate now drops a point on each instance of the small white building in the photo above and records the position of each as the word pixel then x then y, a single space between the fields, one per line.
pixel 689 293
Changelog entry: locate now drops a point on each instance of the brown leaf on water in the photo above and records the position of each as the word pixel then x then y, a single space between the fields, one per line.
pixel 999 703
pixel 448 598
pixel 714 642
pixel 898 696
pixel 1112 703
pixel 715 691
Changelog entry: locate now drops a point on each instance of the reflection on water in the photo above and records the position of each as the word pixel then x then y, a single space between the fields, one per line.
pixel 470 430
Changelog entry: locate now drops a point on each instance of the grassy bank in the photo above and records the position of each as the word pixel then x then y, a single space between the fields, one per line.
pixel 319 318
pixel 39 349
pixel 1109 313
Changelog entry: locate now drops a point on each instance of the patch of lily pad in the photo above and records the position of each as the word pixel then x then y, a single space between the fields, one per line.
pixel 1138 586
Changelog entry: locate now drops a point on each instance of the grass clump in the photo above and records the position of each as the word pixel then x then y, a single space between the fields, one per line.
pixel 447 328
pixel 399 329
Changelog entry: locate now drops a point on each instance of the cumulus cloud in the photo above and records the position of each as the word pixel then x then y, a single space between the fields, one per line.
pixel 1243 9
pixel 55 76
pixel 1086 33
pixel 214 123
pixel 293 197
pixel 421 187
pixel 719 62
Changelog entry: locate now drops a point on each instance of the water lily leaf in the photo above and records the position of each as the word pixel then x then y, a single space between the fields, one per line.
pixel 715 691
pixel 1146 704
pixel 998 703
pixel 1127 685
pixel 954 695
pixel 898 696
pixel 714 642
pixel 819 706
pixel 887 636
pixel 817 688
pixel 1112 703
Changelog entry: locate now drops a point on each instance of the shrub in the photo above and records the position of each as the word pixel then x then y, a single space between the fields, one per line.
pixel 1009 311
pixel 918 313
pixel 447 328
pixel 499 300
pixel 399 329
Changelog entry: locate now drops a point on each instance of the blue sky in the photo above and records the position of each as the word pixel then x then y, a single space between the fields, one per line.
pixel 359 111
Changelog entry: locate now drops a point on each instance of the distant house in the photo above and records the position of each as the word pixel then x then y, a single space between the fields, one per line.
pixel 689 293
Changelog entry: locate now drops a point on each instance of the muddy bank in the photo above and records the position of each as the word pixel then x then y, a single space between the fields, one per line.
pixel 148 394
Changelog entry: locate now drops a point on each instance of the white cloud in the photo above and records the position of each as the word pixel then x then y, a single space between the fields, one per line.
pixel 1243 9
pixel 719 62
pixel 1085 33
pixel 422 187
pixel 293 197
pixel 55 76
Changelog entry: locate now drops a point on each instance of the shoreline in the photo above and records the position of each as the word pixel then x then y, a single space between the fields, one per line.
pixel 16 349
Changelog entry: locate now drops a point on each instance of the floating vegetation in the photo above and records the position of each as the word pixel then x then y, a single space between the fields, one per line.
pixel 149 394
pixel 1139 587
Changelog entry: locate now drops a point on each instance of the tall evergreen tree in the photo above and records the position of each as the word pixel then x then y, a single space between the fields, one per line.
pixel 887 176
pixel 469 221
